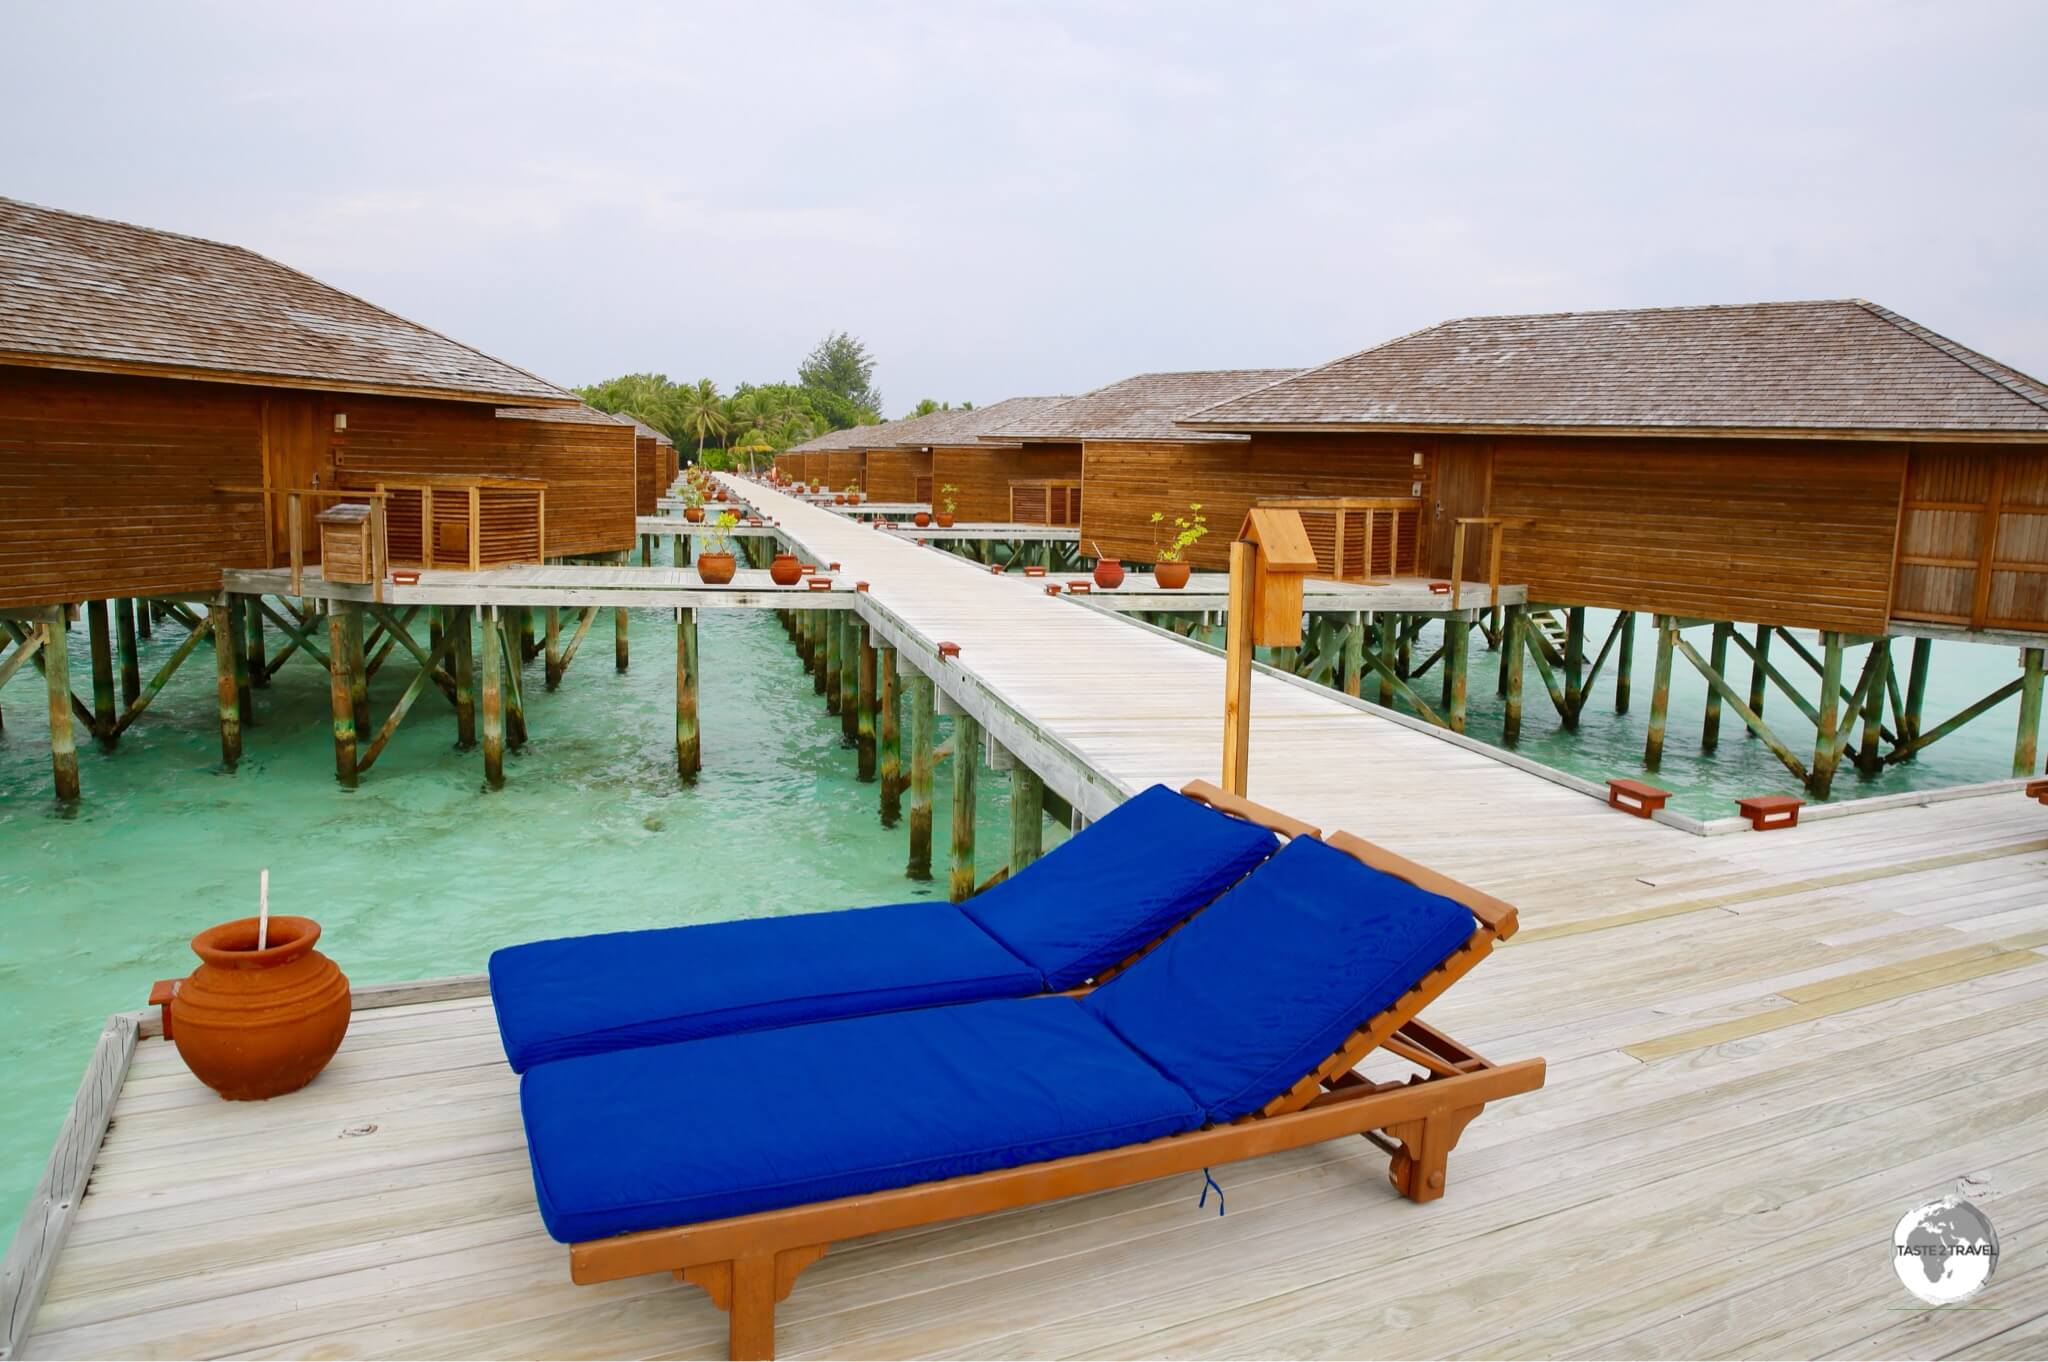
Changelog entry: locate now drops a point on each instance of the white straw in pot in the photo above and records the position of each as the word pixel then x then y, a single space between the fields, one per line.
pixel 263 910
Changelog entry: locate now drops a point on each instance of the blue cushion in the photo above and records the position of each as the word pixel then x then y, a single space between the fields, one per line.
pixel 587 994
pixel 678 1134
pixel 1119 884
pixel 1243 1001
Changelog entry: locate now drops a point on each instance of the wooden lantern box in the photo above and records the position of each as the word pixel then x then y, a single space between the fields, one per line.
pixel 347 551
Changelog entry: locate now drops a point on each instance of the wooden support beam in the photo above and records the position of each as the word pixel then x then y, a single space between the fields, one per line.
pixel 1759 678
pixel 515 681
pixel 864 700
pixel 619 645
pixel 1825 749
pixel 494 698
pixel 1710 721
pixel 298 629
pixel 966 761
pixel 163 674
pixel 849 628
pixel 102 673
pixel 1574 663
pixel 922 722
pixel 340 692
pixel 2026 742
pixel 462 626
pixel 254 651
pixel 1237 669
pixel 1916 693
pixel 358 670
pixel 1352 664
pixel 1717 681
pixel 238 651
pixel 1027 817
pixel 689 746
pixel 131 662
pixel 584 620
pixel 1514 650
pixel 1869 761
pixel 529 638
pixel 1559 699
pixel 221 614
pixel 55 661
pixel 1625 664
pixel 1380 658
pixel 890 718
pixel 828 675
pixel 1660 692
pixel 421 680
pixel 554 647
pixel 1457 643
pixel 24 649
pixel 145 616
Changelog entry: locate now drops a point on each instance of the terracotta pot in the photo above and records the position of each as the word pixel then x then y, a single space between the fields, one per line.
pixel 1109 573
pixel 785 570
pixel 839 498
pixel 945 519
pixel 853 498
pixel 694 514
pixel 1172 576
pixel 922 518
pixel 717 568
pixel 252 1024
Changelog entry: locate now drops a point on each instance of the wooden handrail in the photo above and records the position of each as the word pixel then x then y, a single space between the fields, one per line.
pixel 1499 524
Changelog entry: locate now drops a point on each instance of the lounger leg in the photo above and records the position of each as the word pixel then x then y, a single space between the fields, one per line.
pixel 747 1289
pixel 1420 1163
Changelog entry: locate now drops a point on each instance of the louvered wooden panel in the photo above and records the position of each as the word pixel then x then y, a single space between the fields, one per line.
pixel 983 474
pixel 1973 539
pixel 404 529
pixel 1028 504
pixel 510 527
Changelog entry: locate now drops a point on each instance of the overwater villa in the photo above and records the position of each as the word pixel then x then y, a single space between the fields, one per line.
pixel 1281 1022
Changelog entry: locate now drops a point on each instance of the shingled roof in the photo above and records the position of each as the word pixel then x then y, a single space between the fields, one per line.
pixel 1839 367
pixel 853 437
pixel 970 425
pixel 1140 408
pixel 584 415
pixel 83 293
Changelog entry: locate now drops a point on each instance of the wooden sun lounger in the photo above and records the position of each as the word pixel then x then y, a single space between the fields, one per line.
pixel 748 1263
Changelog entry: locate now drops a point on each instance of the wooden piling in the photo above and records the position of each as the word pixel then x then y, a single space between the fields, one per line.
pixel 341 691
pixel 922 721
pixel 864 702
pixel 462 661
pixel 1660 693
pixel 619 649
pixel 358 668
pixel 145 616
pixel 1869 760
pixel 1759 671
pixel 1710 722
pixel 1027 817
pixel 56 660
pixel 1457 642
pixel 220 612
pixel 1353 663
pixel 849 676
pixel 1916 693
pixel 131 665
pixel 254 651
pixel 1384 627
pixel 238 651
pixel 689 748
pixel 890 703
pixel 515 682
pixel 529 641
pixel 494 698
pixel 966 761
pixel 1512 652
pixel 1574 664
pixel 828 675
pixel 103 712
pixel 2026 742
pixel 554 647
pixel 1625 664
pixel 1821 777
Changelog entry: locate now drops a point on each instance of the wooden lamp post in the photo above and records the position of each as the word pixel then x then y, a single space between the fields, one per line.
pixel 1268 561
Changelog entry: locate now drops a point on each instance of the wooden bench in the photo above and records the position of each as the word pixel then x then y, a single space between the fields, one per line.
pixel 1635 797
pixel 1768 812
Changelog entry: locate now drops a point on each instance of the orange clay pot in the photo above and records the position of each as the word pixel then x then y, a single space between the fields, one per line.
pixel 252 1024
pixel 1172 576
pixel 717 568
pixel 694 514
pixel 945 519
pixel 785 570
pixel 1109 573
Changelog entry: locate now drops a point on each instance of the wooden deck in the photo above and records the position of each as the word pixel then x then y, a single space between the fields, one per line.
pixel 1763 1049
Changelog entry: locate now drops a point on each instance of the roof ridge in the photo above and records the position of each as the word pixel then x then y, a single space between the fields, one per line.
pixel 1300 374
pixel 2021 385
pixel 291 269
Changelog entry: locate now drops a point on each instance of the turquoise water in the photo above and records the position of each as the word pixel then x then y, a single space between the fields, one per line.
pixel 420 872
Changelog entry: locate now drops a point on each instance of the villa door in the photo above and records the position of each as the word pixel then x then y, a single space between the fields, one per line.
pixel 295 456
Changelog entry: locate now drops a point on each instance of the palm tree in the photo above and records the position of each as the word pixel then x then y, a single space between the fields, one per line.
pixel 703 412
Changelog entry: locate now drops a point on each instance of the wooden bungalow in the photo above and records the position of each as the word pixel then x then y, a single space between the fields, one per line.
pixel 1133 460
pixel 1824 465
pixel 835 460
pixel 654 464
pixel 583 455
pixel 962 448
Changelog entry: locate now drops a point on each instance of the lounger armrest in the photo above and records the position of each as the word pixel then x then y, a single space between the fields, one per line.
pixel 1497 914
pixel 1237 806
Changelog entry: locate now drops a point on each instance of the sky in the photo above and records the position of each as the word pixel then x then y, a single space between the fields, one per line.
pixel 1009 199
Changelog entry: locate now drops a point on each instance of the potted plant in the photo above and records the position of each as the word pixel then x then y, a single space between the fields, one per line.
pixel 921 518
pixel 1109 572
pixel 264 1011
pixel 1170 568
pixel 693 504
pixel 785 570
pixel 945 517
pixel 853 494
pixel 715 561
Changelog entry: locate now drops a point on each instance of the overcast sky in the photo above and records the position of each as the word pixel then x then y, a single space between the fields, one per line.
pixel 1025 199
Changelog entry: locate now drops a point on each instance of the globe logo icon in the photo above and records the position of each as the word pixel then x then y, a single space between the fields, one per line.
pixel 1945 1251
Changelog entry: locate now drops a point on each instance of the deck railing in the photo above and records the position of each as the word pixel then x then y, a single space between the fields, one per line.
pixel 1361 539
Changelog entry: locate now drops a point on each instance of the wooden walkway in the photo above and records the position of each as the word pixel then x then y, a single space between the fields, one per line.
pixel 1763 1049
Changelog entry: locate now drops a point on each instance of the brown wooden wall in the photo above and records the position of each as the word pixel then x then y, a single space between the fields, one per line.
pixel 588 469
pixel 843 469
pixel 892 474
pixel 106 485
pixel 790 465
pixel 983 474
pixel 646 473
pixel 1123 482
pixel 1774 531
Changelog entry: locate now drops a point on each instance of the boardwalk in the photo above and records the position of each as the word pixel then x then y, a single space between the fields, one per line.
pixel 1763 1049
